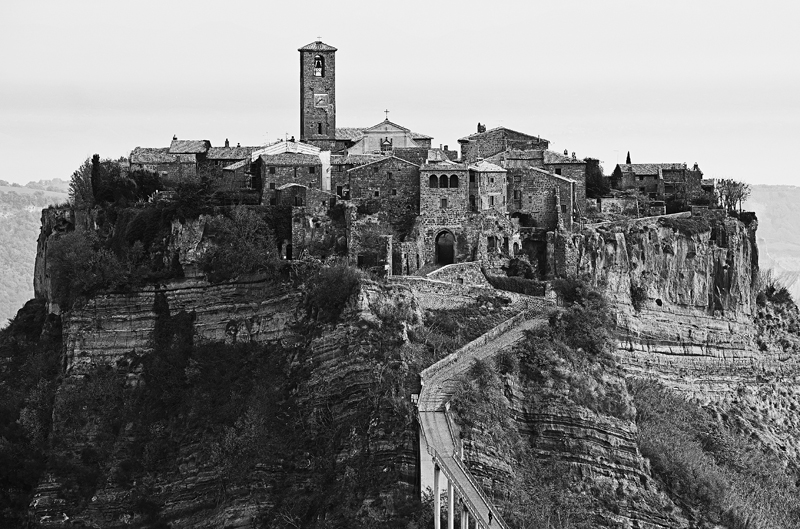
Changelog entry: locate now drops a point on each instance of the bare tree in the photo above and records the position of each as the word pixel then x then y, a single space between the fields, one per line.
pixel 732 193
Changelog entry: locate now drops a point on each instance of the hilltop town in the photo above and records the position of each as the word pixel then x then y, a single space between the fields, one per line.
pixel 358 328
pixel 501 194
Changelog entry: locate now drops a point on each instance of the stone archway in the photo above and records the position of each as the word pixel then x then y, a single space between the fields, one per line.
pixel 445 248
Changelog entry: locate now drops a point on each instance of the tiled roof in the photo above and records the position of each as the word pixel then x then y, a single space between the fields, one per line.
pixel 517 154
pixel 230 153
pixel 317 46
pixel 349 133
pixel 237 165
pixel 290 158
pixel 291 184
pixel 551 175
pixel 149 156
pixel 189 146
pixel 356 133
pixel 554 157
pixel 445 166
pixel 486 167
pixel 477 134
pixel 648 168
pixel 362 159
pixel 382 159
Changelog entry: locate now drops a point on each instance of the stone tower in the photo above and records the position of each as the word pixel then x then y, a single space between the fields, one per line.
pixel 318 95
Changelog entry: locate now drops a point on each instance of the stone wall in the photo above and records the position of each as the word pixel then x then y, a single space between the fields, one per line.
pixel 461 274
pixel 498 140
pixel 393 181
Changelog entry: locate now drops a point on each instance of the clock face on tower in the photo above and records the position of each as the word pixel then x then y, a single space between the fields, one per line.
pixel 320 100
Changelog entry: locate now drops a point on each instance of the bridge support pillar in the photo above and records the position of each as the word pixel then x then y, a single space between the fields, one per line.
pixel 437 498
pixel 451 506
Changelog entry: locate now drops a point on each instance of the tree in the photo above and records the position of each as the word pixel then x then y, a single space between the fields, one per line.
pixel 628 158
pixel 243 244
pixel 732 193
pixel 596 183
pixel 80 186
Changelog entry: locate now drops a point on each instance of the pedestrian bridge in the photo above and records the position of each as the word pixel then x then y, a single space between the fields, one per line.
pixel 438 384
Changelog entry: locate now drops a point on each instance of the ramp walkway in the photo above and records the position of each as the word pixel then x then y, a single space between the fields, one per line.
pixel 439 381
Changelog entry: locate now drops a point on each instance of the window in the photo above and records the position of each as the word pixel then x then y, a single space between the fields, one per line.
pixel 319 66
pixel 312 169
pixel 338 168
pixel 558 170
pixel 641 178
pixel 443 181
pixel 472 202
pixel 319 128
pixel 564 209
pixel 339 190
pixel 324 203
pixel 272 201
pixel 389 176
pixel 491 180
pixel 453 181
pixel 298 201
pixel 434 181
pixel 394 192
pixel 471 178
pixel 517 194
pixel 272 185
pixel 491 200
pixel 443 203
pixel 377 193
pixel 271 170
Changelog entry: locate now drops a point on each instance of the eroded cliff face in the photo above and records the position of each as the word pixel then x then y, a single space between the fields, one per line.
pixel 684 315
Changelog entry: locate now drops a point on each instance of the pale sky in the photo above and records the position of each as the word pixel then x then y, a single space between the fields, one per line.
pixel 713 82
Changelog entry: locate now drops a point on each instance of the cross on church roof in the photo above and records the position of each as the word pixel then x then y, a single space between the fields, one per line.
pixel 387 114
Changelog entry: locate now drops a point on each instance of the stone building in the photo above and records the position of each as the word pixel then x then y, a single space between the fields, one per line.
pixel 659 181
pixel 171 168
pixel 385 137
pixel 488 143
pixel 487 187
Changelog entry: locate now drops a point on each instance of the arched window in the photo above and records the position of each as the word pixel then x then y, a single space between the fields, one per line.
pixel 453 181
pixel 319 66
pixel 443 181
pixel 434 182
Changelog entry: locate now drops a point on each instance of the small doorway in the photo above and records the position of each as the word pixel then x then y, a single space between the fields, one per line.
pixel 445 248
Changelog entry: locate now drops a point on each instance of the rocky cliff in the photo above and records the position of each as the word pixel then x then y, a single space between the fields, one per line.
pixel 685 318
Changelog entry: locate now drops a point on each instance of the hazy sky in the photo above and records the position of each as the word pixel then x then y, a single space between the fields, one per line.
pixel 712 82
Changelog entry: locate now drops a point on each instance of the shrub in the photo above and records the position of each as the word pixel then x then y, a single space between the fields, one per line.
pixel 329 290
pixel 517 284
pixel 80 267
pixel 638 295
pixel 243 243
pixel 710 466
pixel 571 290
pixel 688 226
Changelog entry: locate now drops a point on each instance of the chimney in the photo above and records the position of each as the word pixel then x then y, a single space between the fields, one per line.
pixel 566 152
pixel 573 155
pixel 174 137
pixel 227 143
pixel 238 144
pixel 445 147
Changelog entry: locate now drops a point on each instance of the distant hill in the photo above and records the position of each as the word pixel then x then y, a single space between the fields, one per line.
pixel 778 211
pixel 20 218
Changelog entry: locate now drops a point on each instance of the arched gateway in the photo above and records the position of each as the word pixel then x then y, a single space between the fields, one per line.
pixel 445 248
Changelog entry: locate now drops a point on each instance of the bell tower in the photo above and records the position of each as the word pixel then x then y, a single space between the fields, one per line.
pixel 318 95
